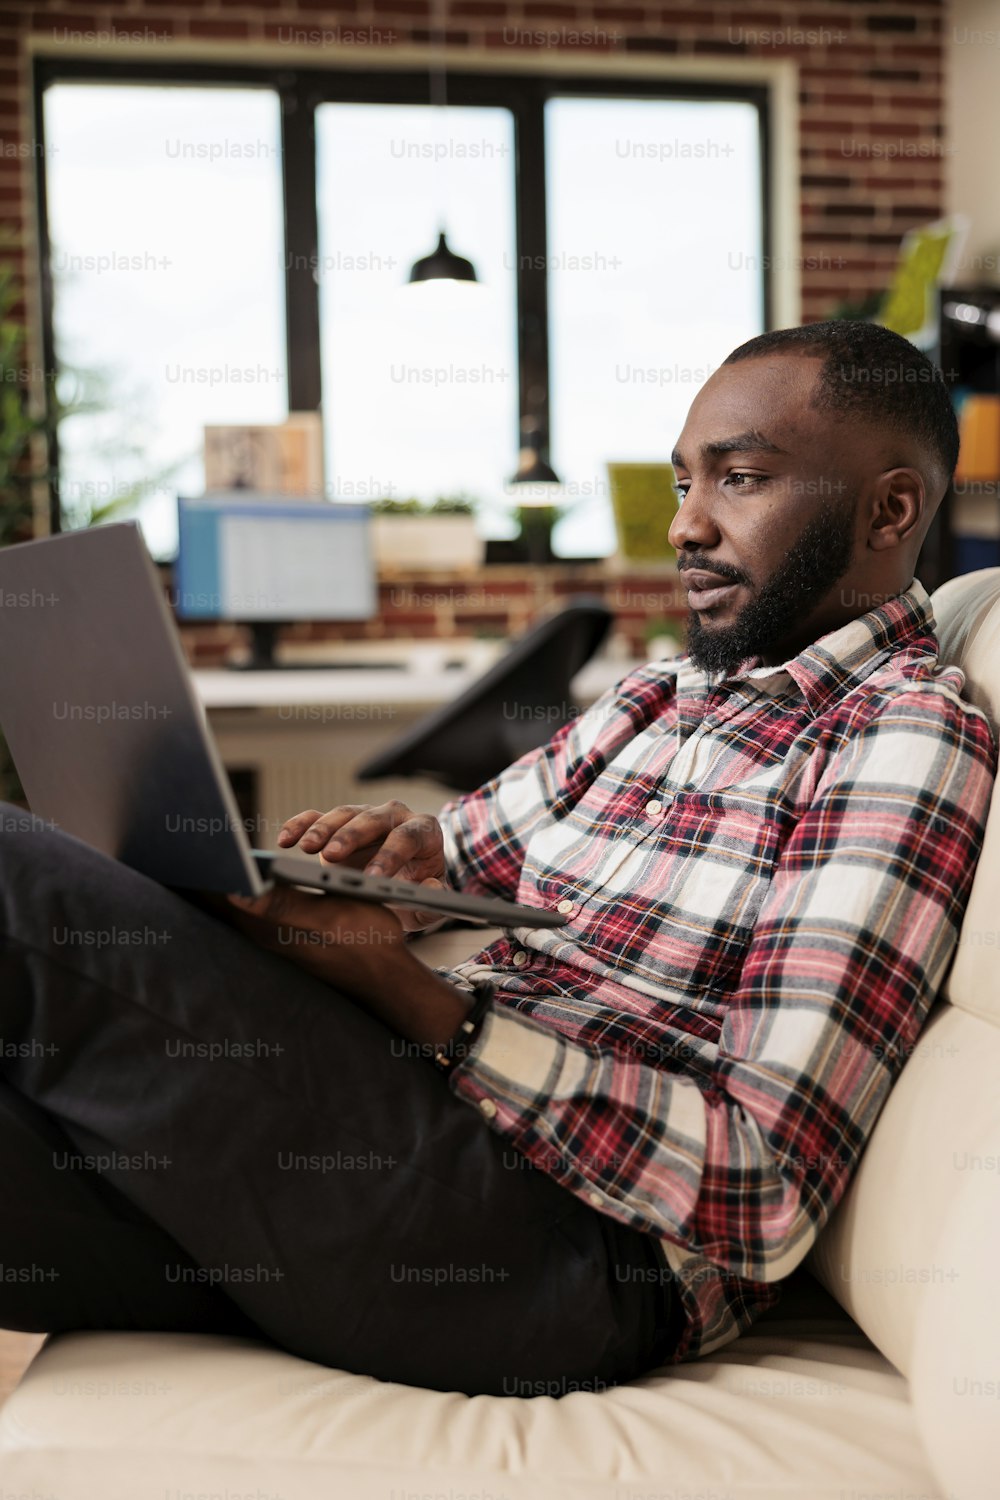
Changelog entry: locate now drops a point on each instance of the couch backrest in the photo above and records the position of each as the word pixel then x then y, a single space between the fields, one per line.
pixel 967 611
pixel 911 1250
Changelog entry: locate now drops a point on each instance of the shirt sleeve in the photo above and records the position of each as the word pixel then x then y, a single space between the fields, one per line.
pixel 486 832
pixel 851 945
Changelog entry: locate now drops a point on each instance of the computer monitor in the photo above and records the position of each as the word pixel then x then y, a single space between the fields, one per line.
pixel 266 561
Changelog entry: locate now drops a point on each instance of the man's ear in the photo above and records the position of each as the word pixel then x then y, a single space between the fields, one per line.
pixel 897 507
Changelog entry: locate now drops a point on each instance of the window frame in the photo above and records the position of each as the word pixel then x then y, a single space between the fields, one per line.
pixel 301 89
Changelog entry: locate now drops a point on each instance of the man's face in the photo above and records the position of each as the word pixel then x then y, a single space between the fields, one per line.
pixel 769 523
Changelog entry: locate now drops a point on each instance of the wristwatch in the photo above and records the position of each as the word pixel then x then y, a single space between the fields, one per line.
pixel 458 1046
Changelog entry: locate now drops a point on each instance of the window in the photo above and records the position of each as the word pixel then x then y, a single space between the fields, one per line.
pixel 419 382
pixel 654 233
pixel 231 244
pixel 165 227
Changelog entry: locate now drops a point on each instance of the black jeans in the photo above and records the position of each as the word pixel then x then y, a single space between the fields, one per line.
pixel 197 1135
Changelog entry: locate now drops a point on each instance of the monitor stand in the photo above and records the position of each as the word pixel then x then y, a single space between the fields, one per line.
pixel 264 639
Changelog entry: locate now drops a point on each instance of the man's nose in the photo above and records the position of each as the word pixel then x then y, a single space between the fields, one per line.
pixel 693 527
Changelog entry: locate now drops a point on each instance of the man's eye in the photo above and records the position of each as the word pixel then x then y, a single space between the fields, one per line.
pixel 743 481
pixel 680 490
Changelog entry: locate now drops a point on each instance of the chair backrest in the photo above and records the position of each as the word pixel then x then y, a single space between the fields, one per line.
pixel 514 707
pixel 967 611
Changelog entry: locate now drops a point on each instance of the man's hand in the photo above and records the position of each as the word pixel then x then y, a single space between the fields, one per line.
pixel 386 840
pixel 358 947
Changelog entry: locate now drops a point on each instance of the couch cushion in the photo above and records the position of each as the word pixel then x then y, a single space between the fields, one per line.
pixel 452 944
pixel 967 611
pixel 801 1407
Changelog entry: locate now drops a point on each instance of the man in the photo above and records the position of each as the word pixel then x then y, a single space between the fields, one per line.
pixel 764 850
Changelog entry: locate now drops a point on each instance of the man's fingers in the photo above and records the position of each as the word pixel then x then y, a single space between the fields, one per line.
pixel 315 826
pixel 386 840
pixel 346 830
pixel 419 838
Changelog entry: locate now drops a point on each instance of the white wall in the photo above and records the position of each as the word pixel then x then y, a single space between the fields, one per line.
pixel 972 161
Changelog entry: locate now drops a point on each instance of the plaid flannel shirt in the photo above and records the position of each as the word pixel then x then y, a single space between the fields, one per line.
pixel 765 878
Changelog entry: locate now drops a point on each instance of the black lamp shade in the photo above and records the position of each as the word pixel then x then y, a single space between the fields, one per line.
pixel 533 469
pixel 532 466
pixel 443 265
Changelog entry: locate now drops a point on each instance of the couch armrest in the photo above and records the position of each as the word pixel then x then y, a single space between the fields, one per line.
pixel 910 1252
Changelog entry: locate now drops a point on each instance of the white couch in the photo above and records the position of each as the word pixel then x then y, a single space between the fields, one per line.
pixel 876 1378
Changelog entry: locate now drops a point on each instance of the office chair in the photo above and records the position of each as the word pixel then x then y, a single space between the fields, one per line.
pixel 515 706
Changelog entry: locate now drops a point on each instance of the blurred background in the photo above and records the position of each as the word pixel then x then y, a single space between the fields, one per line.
pixel 381 318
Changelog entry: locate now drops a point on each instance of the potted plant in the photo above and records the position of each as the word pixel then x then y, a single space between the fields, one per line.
pixel 410 535
pixel 535 523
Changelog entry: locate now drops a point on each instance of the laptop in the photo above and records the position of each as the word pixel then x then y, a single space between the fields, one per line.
pixel 113 746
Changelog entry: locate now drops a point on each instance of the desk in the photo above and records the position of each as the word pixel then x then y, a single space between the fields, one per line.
pixel 299 734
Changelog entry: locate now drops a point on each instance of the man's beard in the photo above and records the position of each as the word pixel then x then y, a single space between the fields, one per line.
pixel 820 557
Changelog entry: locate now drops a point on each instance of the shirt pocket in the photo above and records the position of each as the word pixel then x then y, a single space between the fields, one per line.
pixel 681 908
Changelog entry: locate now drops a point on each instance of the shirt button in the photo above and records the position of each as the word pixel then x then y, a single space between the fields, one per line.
pixel 488 1108
pixel 520 959
pixel 653 809
pixel 595 1199
pixel 565 907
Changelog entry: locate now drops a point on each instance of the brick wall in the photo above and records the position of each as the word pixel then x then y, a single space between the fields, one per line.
pixel 495 601
pixel 872 153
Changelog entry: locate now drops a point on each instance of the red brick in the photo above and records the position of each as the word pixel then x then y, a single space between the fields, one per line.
pixel 853 263
pixel 808 21
pixel 826 74
pixel 816 180
pixel 897 24
pixel 620 13
pixel 59 20
pixel 895 75
pixel 760 21
pixel 918 212
pixel 929 101
pixel 413 617
pixel 427 38
pixel 221 30
pixel 850 101
pixel 651 44
pixel 466 620
pixel 717 47
pixel 842 291
pixel 687 18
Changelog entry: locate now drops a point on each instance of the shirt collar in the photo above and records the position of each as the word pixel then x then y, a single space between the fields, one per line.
pixel 843 658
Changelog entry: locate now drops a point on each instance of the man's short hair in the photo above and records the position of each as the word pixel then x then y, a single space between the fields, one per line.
pixel 874 375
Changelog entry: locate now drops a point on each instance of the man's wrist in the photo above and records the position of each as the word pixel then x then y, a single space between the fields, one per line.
pixel 460 1044
pixel 418 1003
